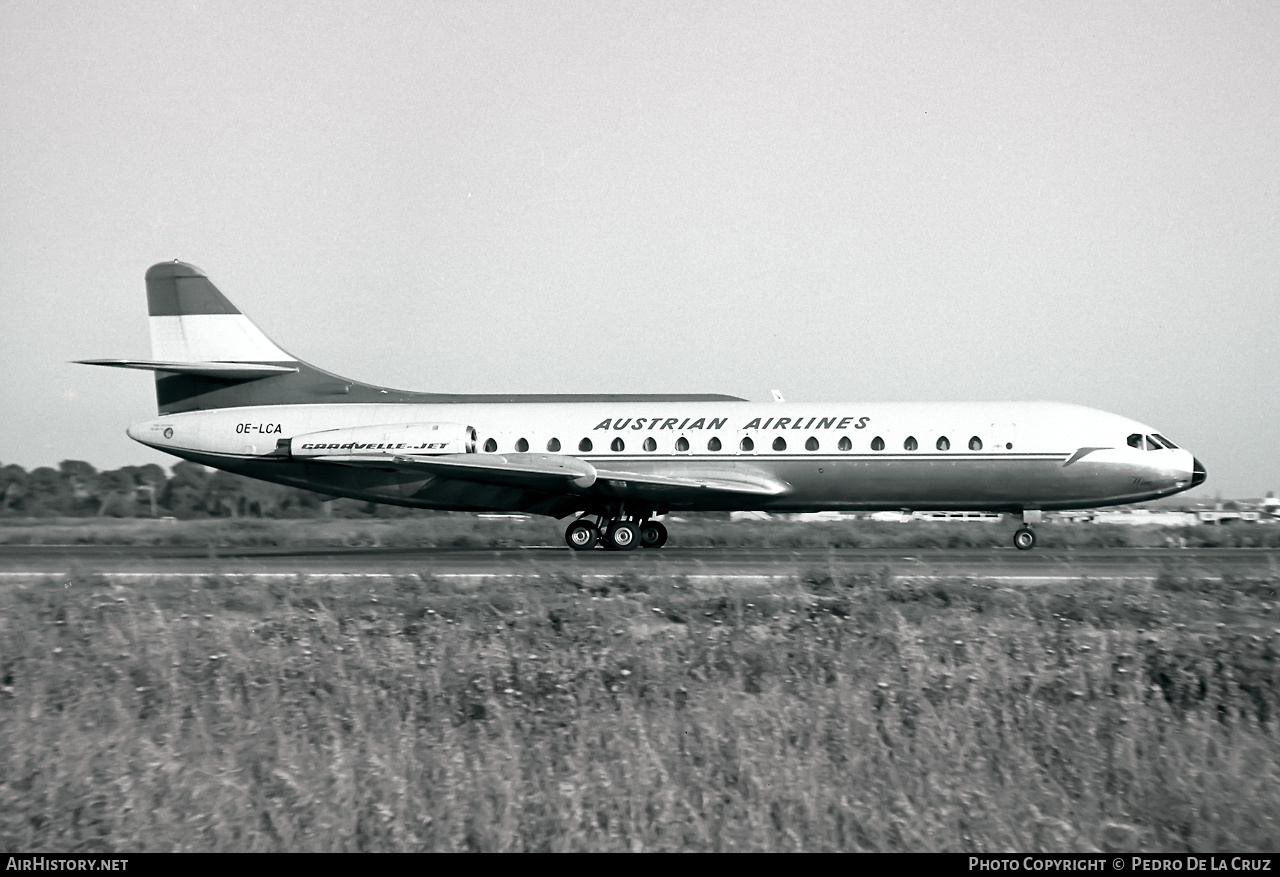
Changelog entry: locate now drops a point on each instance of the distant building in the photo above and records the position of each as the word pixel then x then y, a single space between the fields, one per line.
pixel 1145 517
pixel 1218 516
pixel 1267 511
pixel 959 517
pixel 890 517
pixel 903 517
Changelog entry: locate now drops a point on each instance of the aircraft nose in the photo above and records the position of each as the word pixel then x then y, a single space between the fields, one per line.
pixel 1198 473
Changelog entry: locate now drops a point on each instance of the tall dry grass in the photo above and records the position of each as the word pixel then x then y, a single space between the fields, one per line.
pixel 639 714
pixel 437 530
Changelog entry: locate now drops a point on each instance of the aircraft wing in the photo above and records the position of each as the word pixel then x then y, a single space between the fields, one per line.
pixel 558 473
pixel 547 472
pixel 554 472
pixel 715 481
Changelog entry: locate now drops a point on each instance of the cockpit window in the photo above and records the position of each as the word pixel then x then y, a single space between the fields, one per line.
pixel 1149 442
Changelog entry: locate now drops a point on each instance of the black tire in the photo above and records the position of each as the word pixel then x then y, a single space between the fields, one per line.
pixel 1024 539
pixel 581 536
pixel 652 535
pixel 622 536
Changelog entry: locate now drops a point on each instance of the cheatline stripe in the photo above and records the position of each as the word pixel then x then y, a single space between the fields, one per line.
pixel 596 456
pixel 737 455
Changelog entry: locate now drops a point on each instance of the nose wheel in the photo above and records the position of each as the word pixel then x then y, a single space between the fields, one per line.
pixel 1024 539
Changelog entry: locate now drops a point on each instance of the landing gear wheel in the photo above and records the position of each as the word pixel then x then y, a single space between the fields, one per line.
pixel 622 536
pixel 652 535
pixel 581 535
pixel 1024 539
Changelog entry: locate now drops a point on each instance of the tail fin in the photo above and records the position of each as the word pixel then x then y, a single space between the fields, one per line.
pixel 209 355
pixel 191 321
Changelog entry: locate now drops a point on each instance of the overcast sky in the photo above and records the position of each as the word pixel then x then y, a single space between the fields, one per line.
pixel 846 201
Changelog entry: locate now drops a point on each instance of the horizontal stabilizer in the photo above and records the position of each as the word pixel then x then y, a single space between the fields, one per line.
pixel 232 371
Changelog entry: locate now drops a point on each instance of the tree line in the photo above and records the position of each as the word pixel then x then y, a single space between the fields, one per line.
pixel 77 489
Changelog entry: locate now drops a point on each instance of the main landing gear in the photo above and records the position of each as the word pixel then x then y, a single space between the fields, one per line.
pixel 615 534
pixel 1024 538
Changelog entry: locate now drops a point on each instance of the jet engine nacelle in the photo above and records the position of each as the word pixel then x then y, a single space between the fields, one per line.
pixel 398 439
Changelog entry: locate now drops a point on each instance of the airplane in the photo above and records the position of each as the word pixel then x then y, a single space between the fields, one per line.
pixel 230 398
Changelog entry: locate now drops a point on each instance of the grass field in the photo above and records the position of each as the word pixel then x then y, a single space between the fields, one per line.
pixel 470 531
pixel 640 714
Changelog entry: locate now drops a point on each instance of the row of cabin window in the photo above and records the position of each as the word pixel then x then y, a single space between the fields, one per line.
pixel 747 444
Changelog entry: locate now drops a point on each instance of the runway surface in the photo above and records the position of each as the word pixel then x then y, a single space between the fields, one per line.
pixel 19 562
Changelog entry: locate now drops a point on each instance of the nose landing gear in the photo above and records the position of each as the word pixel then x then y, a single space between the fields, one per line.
pixel 1024 538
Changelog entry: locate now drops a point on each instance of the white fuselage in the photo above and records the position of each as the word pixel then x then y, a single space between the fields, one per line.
pixel 973 455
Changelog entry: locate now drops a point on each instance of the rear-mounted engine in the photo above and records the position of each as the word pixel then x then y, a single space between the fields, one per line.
pixel 394 439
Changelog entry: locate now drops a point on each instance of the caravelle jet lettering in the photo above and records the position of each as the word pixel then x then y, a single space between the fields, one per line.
pixel 383 446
